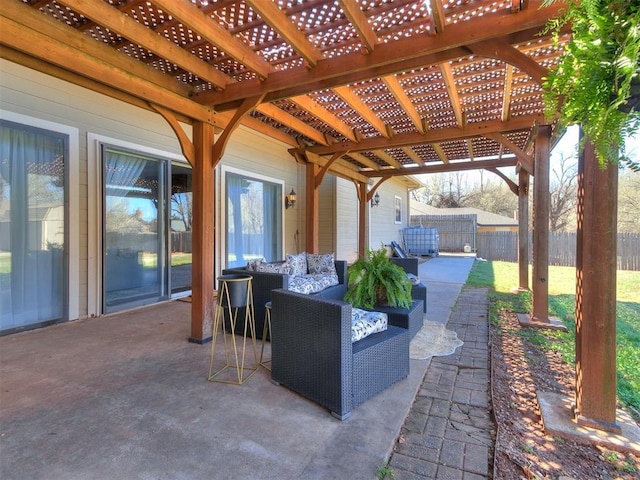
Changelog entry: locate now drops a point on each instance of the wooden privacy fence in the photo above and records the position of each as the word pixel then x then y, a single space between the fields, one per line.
pixel 454 230
pixel 562 248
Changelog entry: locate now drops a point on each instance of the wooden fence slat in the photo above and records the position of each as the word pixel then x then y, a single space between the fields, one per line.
pixel 562 248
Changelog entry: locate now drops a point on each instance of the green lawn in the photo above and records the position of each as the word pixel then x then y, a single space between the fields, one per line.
pixel 501 277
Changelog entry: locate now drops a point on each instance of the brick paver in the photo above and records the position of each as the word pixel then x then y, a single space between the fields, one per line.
pixel 449 432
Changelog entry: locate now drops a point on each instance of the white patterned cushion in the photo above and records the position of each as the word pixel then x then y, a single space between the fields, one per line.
pixel 312 283
pixel 298 263
pixel 414 279
pixel 278 267
pixel 321 263
pixel 365 323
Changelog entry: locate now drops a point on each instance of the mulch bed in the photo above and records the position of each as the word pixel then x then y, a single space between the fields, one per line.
pixel 523 450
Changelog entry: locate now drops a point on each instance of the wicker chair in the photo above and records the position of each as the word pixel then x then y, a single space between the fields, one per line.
pixel 264 283
pixel 410 265
pixel 312 353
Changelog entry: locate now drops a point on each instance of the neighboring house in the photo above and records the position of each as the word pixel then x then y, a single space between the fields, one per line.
pixel 121 166
pixel 485 221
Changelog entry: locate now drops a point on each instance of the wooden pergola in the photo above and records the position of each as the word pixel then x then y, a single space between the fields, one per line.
pixel 361 89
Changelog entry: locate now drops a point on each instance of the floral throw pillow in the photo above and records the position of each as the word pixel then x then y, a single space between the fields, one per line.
pixel 321 264
pixel 298 263
pixel 278 267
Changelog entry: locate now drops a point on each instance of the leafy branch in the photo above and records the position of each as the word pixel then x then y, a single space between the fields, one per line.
pixel 597 80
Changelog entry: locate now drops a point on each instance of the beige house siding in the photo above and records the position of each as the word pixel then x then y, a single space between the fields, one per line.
pixel 327 200
pixel 346 220
pixel 41 97
pixel 383 227
pixel 97 118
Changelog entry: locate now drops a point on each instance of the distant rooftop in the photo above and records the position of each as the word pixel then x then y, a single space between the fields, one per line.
pixel 485 219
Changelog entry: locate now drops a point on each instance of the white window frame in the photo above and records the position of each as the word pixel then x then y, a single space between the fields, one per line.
pixel 221 259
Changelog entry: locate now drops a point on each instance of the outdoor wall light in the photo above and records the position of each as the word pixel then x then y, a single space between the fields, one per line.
pixel 375 200
pixel 290 200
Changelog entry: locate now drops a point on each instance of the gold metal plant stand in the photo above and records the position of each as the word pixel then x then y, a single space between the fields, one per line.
pixel 266 330
pixel 234 292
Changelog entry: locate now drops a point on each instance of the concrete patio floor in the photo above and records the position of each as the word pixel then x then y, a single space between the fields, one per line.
pixel 126 396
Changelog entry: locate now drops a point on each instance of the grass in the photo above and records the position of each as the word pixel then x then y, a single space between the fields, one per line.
pixel 501 277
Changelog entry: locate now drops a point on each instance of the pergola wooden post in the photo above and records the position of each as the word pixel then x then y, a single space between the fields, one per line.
pixel 312 210
pixel 541 206
pixel 523 229
pixel 202 282
pixel 363 219
pixel 596 293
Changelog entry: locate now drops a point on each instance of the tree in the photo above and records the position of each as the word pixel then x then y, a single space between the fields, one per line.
pixel 563 186
pixel 629 202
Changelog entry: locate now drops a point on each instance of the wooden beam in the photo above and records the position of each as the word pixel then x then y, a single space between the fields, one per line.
pixel 388 158
pixel 325 169
pixel 359 22
pixel 314 108
pixel 510 183
pixel 500 49
pixel 52 70
pixel 221 143
pixel 541 205
pixel 337 168
pixel 192 17
pixel 413 155
pixel 439 168
pixel 437 13
pixel 596 293
pixel 355 102
pixel 401 97
pixel 523 230
pixel 392 57
pixel 430 136
pixel 186 145
pixel 292 122
pixel 278 20
pixel 268 130
pixel 506 96
pixel 440 152
pixel 449 81
pixel 375 187
pixel 366 161
pixel 115 20
pixel 470 148
pixel 202 271
pixel 525 160
pixel 33 42
pixel 312 209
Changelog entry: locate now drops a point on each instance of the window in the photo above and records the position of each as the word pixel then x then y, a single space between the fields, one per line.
pixel 254 219
pixel 33 226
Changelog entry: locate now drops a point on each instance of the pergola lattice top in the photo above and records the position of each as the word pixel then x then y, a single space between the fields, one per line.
pixel 396 86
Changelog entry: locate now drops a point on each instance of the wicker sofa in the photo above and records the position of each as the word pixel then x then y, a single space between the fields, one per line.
pixel 264 282
pixel 418 291
pixel 313 355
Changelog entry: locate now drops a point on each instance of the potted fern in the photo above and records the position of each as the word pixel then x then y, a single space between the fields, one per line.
pixel 375 280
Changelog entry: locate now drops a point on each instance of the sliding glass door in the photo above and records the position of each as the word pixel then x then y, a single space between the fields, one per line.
pixel 135 266
pixel 33 228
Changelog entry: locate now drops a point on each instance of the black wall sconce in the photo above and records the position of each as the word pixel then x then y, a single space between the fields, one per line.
pixel 290 200
pixel 375 200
